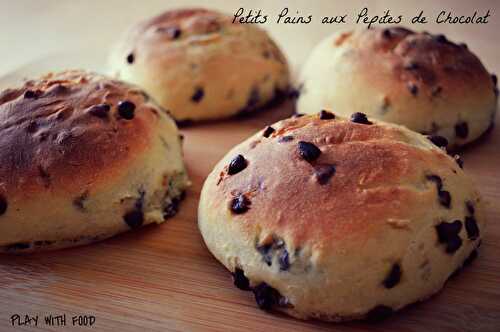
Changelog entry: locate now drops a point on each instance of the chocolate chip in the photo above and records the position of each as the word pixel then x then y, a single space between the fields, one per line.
pixel 198 95
pixel 393 277
pixel 184 123
pixel 126 109
pixel 279 95
pixel 240 204
pixel 441 39
pixel 324 173
pixel 100 110
pixel 268 249
pixel 236 165
pixel 130 58
pixel 379 313
pixel 308 151
pixel 453 244
pixel 413 88
pixel 448 235
pixel 174 32
pixel 297 115
pixel 494 79
pixel 471 228
pixel 359 117
pixel 266 296
pixel 411 66
pixel 437 180
pixel 287 138
pixel 444 198
pixel 439 141
pixel 470 207
pixel 171 209
pixel 462 129
pixel 386 33
pixel 59 89
pixel 325 115
pixel 3 205
pixel 447 230
pixel 240 280
pixel 459 161
pixel 30 94
pixel 134 218
pixel 265 251
pixel 283 260
pixel 268 131
pixel 463 45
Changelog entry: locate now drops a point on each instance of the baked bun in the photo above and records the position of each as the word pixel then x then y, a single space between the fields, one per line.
pixel 199 65
pixel 339 219
pixel 422 81
pixel 82 158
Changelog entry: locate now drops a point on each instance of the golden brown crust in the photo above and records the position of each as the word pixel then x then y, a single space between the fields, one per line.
pixel 184 24
pixel 199 65
pixel 370 162
pixel 369 218
pixel 422 81
pixel 50 139
pixel 190 21
pixel 431 62
pixel 82 158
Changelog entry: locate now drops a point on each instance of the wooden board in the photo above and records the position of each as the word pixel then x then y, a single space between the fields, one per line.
pixel 163 278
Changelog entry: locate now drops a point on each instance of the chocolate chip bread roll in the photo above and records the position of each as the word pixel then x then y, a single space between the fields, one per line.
pixel 422 81
pixel 199 65
pixel 336 219
pixel 82 158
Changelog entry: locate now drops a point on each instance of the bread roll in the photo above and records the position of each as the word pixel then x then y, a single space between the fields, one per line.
pixel 422 81
pixel 336 219
pixel 82 158
pixel 199 65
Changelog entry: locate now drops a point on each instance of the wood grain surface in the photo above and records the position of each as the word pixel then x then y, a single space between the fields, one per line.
pixel 162 278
